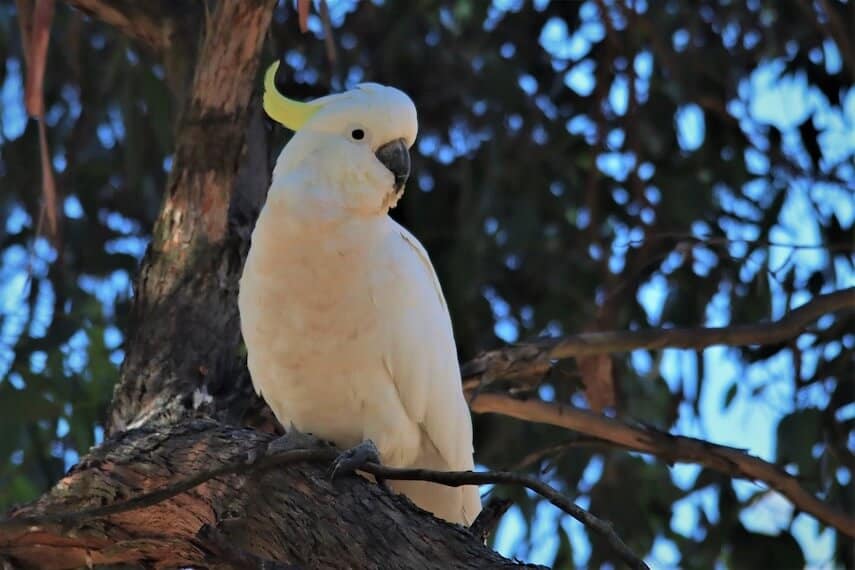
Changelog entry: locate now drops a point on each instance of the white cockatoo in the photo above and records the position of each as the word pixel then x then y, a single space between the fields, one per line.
pixel 347 332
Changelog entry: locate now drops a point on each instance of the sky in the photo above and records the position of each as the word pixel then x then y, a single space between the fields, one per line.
pixel 764 99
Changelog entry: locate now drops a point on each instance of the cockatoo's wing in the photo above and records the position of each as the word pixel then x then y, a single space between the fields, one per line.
pixel 423 365
pixel 424 358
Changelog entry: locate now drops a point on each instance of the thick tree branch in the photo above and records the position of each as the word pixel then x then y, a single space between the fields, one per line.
pixel 678 449
pixel 534 359
pixel 262 511
pixel 247 464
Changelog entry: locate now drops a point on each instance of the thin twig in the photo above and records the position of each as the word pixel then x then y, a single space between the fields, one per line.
pixel 721 240
pixel 303 14
pixel 579 440
pixel 459 478
pixel 528 359
pixel 676 449
pixel 488 519
pixel 147 22
pixel 449 478
pixel 329 44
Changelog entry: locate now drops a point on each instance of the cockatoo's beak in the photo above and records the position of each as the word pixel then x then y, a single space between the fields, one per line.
pixel 396 157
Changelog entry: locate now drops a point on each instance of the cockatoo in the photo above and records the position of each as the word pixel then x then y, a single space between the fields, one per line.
pixel 347 332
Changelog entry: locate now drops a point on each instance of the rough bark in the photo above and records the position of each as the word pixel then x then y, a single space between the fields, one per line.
pixel 183 349
pixel 292 515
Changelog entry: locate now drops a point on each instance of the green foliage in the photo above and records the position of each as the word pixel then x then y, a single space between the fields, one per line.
pixel 752 550
pixel 797 435
pixel 574 170
pixel 109 130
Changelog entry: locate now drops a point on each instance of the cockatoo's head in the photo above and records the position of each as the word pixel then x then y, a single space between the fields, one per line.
pixel 357 142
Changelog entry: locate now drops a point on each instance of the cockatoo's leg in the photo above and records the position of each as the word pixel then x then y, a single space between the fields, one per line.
pixel 349 461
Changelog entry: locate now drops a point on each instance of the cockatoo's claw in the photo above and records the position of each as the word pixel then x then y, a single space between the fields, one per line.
pixel 349 461
pixel 293 439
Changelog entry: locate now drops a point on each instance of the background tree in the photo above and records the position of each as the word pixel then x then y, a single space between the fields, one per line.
pixel 581 167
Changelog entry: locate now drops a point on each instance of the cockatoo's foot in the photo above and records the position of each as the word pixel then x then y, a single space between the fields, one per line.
pixel 349 461
pixel 293 439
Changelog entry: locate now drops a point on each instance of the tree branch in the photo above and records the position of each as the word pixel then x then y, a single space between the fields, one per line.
pixel 693 239
pixel 459 478
pixel 262 512
pixel 153 22
pixel 60 519
pixel 534 359
pixel 241 466
pixel 336 80
pixel 678 449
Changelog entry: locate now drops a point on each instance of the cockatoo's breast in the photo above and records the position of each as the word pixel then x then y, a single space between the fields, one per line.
pixel 309 308
pixel 347 332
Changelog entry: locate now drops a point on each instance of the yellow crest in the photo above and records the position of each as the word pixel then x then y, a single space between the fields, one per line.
pixel 287 112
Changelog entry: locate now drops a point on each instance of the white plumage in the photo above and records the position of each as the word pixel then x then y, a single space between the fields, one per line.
pixel 347 332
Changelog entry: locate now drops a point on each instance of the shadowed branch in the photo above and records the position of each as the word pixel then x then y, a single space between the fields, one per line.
pixel 153 23
pixel 528 360
pixel 672 448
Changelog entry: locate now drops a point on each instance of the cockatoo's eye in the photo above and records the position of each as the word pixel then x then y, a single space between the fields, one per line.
pixel 358 134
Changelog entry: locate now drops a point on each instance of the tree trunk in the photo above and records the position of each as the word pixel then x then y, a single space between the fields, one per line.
pixel 184 389
pixel 183 349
